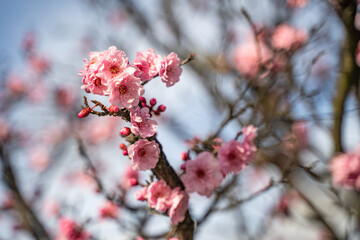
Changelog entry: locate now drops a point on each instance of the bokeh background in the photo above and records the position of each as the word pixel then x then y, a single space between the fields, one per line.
pixel 41 97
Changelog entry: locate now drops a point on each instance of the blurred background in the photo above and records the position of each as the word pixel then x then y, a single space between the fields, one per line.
pixel 275 64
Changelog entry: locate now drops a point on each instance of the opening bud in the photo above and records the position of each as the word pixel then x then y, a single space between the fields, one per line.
pixel 125 131
pixel 84 112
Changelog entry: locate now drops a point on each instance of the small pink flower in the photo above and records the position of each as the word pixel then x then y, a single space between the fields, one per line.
pixel 202 174
pixel 158 195
pixel 15 85
pixel 39 64
pixel 51 207
pixel 141 123
pixel 144 155
pixel 130 176
pixel 70 230
pixel 91 82
pixel 39 157
pixel 179 205
pixel 247 60
pixel 288 38
pixel 170 70
pixel 234 155
pixel 114 63
pixel 345 169
pixel 125 89
pixel 109 210
pixel 147 64
pixel 142 194
pixel 297 3
pixel 231 157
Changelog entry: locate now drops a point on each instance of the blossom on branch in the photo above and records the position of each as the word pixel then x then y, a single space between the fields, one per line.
pixel 144 155
pixel 147 64
pixel 170 70
pixel 141 123
pixel 202 174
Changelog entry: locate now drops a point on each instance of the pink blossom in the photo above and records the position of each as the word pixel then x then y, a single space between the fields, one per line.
pixel 130 176
pixel 29 41
pixel 158 195
pixel 345 169
pixel 297 138
pixel 91 81
pixel 147 64
pixel 170 70
pixel 234 155
pixel 114 63
pixel 99 130
pixel 297 3
pixel 144 155
pixel 70 230
pixel 179 205
pixel 141 123
pixel 247 60
pixel 109 210
pixel 51 207
pixel 202 174
pixel 125 89
pixel 64 98
pixel 39 64
pixel 15 85
pixel 288 38
pixel 142 194
pixel 39 157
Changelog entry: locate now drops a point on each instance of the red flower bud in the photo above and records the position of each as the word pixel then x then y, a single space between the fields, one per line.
pixel 113 109
pixel 161 108
pixel 152 101
pixel 84 112
pixel 125 131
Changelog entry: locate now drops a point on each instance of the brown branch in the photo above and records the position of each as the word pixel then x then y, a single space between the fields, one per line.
pixel 29 219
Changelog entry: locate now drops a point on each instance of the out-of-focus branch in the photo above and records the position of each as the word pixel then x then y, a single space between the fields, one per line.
pixel 29 219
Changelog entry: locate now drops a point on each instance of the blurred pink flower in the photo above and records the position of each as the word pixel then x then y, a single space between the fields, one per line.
pixel 297 3
pixel 179 205
pixel 288 38
pixel 109 210
pixel 202 174
pixel 51 207
pixel 39 157
pixel 147 64
pixel 158 195
pixel 70 230
pixel 345 169
pixel 142 194
pixel 29 42
pixel 4 129
pixel 144 155
pixel 297 139
pixel 15 85
pixel 99 130
pixel 170 70
pixel 39 64
pixel 65 98
pixel 141 123
pixel 130 176
pixel 125 89
pixel 246 57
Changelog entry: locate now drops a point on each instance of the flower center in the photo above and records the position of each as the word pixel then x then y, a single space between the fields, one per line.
pixel 231 156
pixel 122 89
pixel 142 152
pixel 114 70
pixel 98 82
pixel 200 173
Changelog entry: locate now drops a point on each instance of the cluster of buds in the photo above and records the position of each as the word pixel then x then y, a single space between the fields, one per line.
pixel 161 108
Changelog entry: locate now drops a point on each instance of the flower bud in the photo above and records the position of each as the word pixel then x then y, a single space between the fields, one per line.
pixel 125 131
pixel 161 108
pixel 152 101
pixel 125 152
pixel 183 166
pixel 122 146
pixel 184 156
pixel 84 112
pixel 113 109
pixel 142 99
pixel 133 182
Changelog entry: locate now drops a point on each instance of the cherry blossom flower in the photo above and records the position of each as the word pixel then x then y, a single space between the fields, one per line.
pixel 246 57
pixel 109 210
pixel 144 155
pixel 91 82
pixel 288 38
pixel 70 230
pixel 39 157
pixel 345 169
pixel 15 85
pixel 158 195
pixel 114 63
pixel 147 64
pixel 125 89
pixel 179 205
pixel 234 155
pixel 141 123
pixel 170 70
pixel 142 194
pixel 202 174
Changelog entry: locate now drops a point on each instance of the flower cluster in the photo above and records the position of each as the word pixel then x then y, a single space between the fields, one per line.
pixel 345 169
pixel 109 210
pixel 162 198
pixel 204 174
